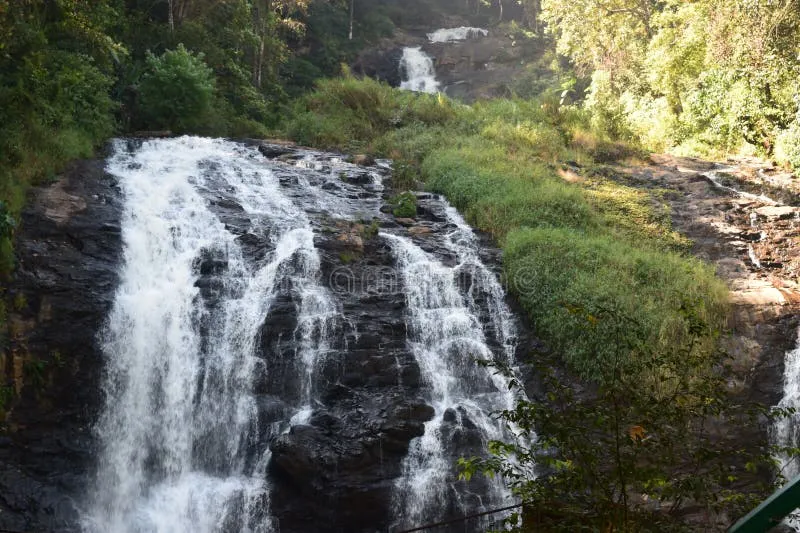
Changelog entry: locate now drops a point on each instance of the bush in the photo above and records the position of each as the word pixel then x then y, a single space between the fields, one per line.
pixel 787 145
pixel 345 111
pixel 176 91
pixel 608 113
pixel 404 205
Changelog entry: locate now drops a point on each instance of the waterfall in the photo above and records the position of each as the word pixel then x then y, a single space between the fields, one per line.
pixel 786 431
pixel 447 35
pixel 234 359
pixel 181 447
pixel 420 74
pixel 447 339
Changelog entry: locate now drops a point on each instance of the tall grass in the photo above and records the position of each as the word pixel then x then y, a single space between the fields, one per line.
pixel 589 242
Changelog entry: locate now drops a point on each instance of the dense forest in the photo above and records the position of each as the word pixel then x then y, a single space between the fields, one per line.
pixel 624 77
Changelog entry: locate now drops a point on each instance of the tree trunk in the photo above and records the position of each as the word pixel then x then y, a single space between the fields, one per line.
pixel 171 16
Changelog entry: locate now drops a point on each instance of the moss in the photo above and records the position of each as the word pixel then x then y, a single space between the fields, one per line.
pixel 348 257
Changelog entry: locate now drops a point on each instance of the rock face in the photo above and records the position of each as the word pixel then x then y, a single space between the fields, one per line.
pixel 68 250
pixel 337 471
pixel 478 67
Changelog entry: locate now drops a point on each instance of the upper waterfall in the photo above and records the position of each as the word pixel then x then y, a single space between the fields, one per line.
pixel 420 74
pixel 446 35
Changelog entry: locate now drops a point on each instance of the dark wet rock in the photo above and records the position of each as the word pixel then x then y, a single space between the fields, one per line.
pixel 381 64
pixel 272 151
pixel 68 250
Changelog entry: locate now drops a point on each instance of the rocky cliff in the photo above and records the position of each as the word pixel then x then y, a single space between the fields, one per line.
pixel 68 250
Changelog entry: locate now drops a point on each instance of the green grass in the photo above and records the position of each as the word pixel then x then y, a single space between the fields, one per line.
pixel 590 242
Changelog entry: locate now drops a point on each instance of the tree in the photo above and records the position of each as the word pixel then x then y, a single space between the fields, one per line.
pixel 631 445
pixel 177 90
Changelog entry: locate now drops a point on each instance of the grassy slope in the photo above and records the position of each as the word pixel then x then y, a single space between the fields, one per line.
pixel 590 242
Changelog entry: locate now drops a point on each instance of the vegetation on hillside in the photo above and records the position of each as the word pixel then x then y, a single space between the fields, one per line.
pixel 624 310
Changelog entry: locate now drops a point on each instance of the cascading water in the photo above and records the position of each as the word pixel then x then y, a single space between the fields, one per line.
pixel 420 74
pixel 786 431
pixel 448 35
pixel 181 447
pixel 235 374
pixel 447 339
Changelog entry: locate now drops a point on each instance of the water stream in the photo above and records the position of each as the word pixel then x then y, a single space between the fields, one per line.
pixel 419 72
pixel 447 339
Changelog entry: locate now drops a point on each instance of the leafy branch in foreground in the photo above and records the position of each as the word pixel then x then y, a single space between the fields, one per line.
pixel 641 445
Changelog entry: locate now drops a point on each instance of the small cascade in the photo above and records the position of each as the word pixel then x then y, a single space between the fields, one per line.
pixel 447 338
pixel 714 177
pixel 448 35
pixel 786 431
pixel 419 72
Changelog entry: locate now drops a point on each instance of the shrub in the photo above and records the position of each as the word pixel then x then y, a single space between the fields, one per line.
pixel 608 113
pixel 787 145
pixel 404 205
pixel 176 91
pixel 7 222
pixel 345 111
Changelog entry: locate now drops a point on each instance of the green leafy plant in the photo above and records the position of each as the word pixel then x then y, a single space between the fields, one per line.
pixel 640 430
pixel 404 205
pixel 7 222
pixel 176 91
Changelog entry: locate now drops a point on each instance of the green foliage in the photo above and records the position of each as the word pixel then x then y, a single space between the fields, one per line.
pixel 176 90
pixel 6 397
pixel 7 222
pixel 550 267
pixel 703 77
pixel 404 205
pixel 787 145
pixel 344 111
pixel 34 372
pixel 637 431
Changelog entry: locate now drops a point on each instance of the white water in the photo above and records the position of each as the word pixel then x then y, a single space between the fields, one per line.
pixel 786 431
pixel 419 70
pixel 447 337
pixel 714 177
pixel 446 35
pixel 181 450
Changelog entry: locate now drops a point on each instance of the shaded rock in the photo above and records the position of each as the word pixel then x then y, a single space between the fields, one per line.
pixel 420 230
pixel 272 151
pixel 68 250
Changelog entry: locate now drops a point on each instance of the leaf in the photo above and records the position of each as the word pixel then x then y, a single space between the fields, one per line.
pixel 636 433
